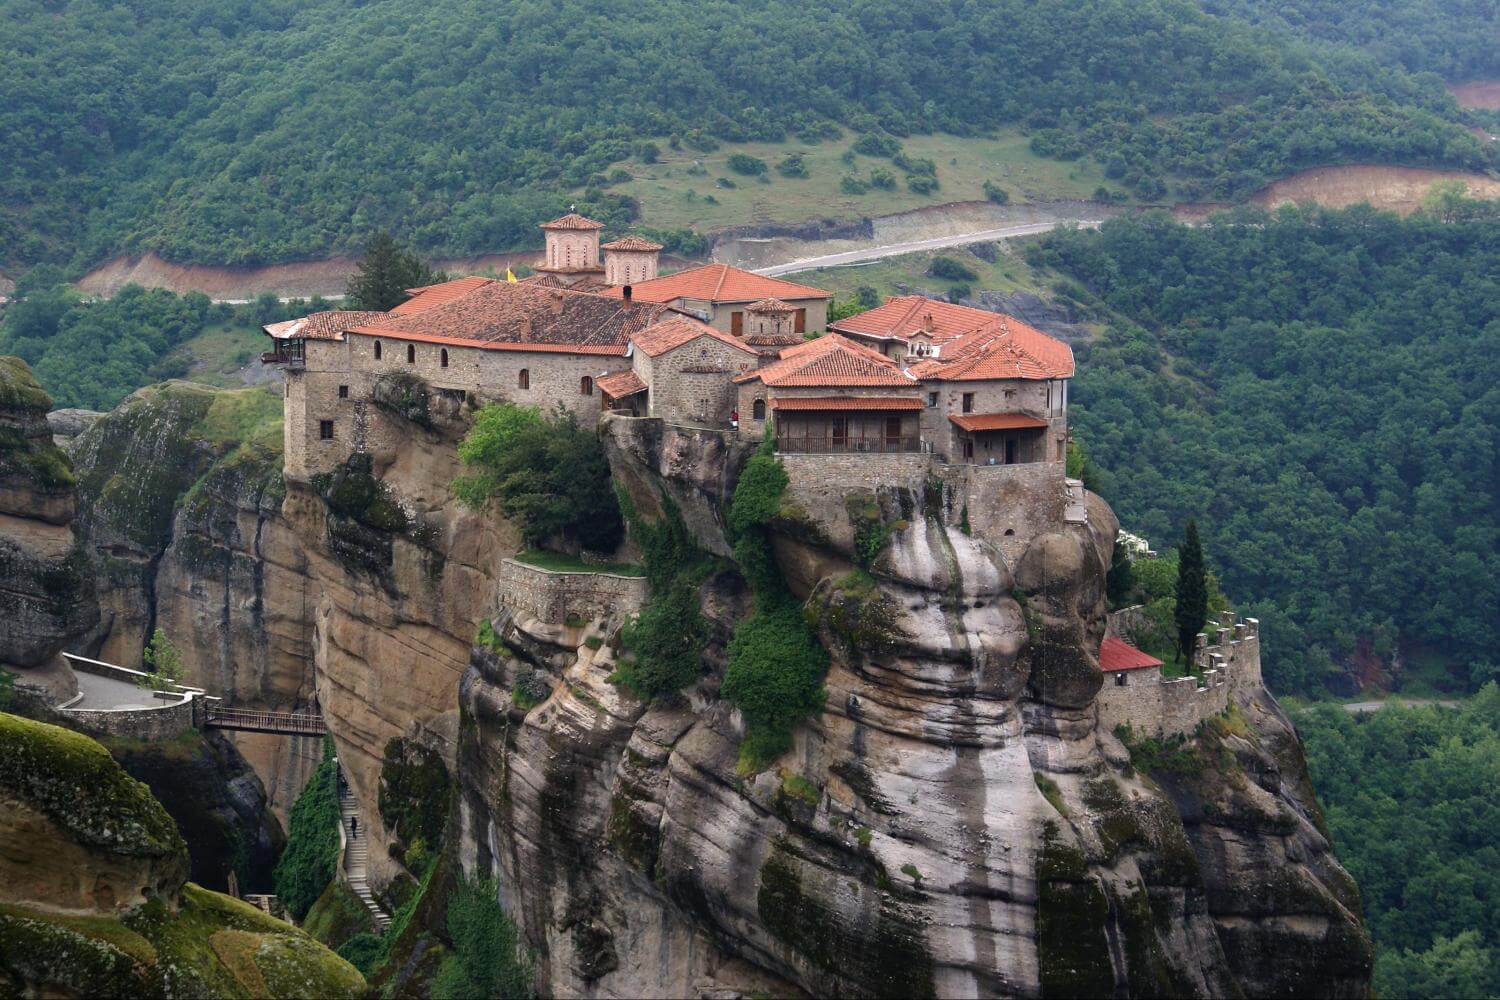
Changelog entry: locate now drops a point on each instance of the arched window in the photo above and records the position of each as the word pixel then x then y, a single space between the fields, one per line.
pixel 443 358
pixel 523 379
pixel 586 386
pixel 411 353
pixel 758 411
pixel 377 350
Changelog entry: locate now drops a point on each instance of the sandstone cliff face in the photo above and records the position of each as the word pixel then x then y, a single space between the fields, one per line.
pixel 180 504
pixel 953 823
pixel 46 592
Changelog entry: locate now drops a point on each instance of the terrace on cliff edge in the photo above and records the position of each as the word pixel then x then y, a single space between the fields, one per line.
pixel 951 810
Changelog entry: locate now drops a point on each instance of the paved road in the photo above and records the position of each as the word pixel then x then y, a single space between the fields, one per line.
pixel 937 243
pixel 106 692
pixel 1362 707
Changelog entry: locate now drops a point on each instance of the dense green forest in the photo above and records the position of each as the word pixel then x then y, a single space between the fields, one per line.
pixel 1412 799
pixel 225 132
pixel 94 352
pixel 1321 390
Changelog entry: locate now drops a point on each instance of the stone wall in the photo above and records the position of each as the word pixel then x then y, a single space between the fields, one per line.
pixel 554 596
pixel 1008 505
pixel 692 384
pixel 1154 705
pixel 150 725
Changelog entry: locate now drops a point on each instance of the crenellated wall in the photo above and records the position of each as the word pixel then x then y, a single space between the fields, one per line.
pixel 1169 706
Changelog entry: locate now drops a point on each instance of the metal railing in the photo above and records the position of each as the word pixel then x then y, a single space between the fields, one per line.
pixel 257 721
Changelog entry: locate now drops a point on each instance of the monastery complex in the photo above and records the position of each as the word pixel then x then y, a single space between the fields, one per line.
pixel 914 393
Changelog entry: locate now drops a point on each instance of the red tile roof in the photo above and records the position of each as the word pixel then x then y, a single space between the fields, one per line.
pixel 833 361
pixel 1006 349
pixel 904 315
pixel 500 315
pixel 320 325
pixel 428 296
pixel 720 283
pixel 846 403
pixel 618 385
pixel 572 221
pixel 995 421
pixel 633 244
pixel 675 330
pixel 1117 654
pixel 773 306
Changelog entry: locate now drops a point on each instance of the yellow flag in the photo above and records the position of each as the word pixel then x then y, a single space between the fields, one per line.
pixel 510 276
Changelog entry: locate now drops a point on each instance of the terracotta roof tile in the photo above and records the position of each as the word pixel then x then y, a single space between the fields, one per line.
pixel 505 316
pixel 618 385
pixel 720 283
pixel 846 403
pixel 902 316
pixel 675 330
pixel 320 325
pixel 995 421
pixel 1006 349
pixel 633 244
pixel 572 221
pixel 427 296
pixel 832 361
pixel 1117 654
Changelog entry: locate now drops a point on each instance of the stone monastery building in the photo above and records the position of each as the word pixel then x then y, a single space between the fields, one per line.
pixel 598 329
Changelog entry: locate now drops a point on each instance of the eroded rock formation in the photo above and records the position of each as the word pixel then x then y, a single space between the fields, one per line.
pixel 46 589
pixel 953 823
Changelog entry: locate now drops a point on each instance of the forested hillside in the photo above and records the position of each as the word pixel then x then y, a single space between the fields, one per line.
pixel 1412 797
pixel 1321 390
pixel 222 132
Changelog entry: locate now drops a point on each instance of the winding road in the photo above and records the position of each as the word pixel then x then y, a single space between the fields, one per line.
pixel 936 243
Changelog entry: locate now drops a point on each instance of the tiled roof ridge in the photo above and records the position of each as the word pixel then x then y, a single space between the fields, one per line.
pixel 572 221
pixel 632 242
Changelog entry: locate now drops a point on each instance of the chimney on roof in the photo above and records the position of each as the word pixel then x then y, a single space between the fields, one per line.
pixel 626 293
pixel 927 323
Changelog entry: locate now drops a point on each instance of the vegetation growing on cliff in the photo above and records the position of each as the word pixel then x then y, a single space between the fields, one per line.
pixel 776 664
pixel 312 847
pixel 663 645
pixel 488 958
pixel 414 800
pixel 1412 802
pixel 546 471
pixel 1319 389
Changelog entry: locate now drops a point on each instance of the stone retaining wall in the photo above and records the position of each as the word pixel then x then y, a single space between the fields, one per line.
pixel 555 595
pixel 151 725
pixel 1154 705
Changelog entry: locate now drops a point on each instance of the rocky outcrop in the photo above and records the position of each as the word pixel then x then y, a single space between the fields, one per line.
pixel 952 823
pixel 46 590
pixel 67 424
pixel 180 499
pixel 92 878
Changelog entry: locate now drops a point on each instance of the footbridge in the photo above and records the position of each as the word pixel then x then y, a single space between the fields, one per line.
pixel 253 720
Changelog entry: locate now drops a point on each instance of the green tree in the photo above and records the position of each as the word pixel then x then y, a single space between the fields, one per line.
pixel 384 273
pixel 163 663
pixel 1191 610
pixel 549 473
pixel 312 846
pixel 488 959
pixel 1121 579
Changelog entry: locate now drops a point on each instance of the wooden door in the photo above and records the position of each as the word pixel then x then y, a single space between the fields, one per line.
pixel 893 433
pixel 737 324
pixel 800 323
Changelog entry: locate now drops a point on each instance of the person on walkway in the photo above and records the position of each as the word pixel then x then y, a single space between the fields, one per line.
pixel 353 827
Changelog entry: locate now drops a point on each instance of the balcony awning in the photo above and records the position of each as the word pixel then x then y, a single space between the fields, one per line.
pixel 620 384
pixel 996 421
pixel 823 403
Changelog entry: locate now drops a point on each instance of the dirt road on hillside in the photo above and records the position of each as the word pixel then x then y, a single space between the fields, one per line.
pixel 913 246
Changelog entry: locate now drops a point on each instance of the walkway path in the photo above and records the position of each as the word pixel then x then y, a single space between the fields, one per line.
pixel 937 243
pixel 357 857
pixel 106 692
pixel 1364 707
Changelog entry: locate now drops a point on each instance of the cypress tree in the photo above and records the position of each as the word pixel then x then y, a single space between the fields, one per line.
pixel 1192 591
pixel 385 272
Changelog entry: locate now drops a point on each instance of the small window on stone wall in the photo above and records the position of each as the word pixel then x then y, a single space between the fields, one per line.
pixel 377 350
pixel 758 411
pixel 411 354
pixel 325 430
pixel 343 392
pixel 1120 679
pixel 968 402
pixel 523 379
pixel 443 357
pixel 586 386
pixel 932 399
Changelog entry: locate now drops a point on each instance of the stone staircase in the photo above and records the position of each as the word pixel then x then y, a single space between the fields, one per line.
pixel 356 859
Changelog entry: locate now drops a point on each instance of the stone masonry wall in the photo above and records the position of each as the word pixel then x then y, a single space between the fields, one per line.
pixel 151 725
pixel 552 596
pixel 692 384
pixel 1154 705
